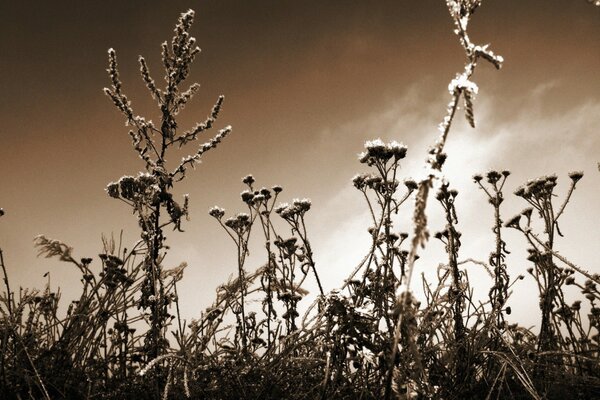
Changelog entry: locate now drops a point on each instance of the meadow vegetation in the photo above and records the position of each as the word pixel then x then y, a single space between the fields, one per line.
pixel 124 336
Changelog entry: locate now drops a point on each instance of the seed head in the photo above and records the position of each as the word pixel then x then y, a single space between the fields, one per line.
pixel 247 196
pixel 281 208
pixel 493 177
pixel 359 181
pixel 248 180
pixel 514 222
pixel 216 212
pixel 411 184
pixel 576 176
pixel 265 192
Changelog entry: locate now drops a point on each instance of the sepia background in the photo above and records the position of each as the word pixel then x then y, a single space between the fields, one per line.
pixel 305 84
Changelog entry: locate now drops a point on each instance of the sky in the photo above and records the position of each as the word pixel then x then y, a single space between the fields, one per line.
pixel 305 84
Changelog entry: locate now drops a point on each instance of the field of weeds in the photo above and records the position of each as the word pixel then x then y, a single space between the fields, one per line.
pixel 385 333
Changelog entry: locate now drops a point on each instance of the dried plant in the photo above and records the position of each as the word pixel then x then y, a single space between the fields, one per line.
pixel 149 194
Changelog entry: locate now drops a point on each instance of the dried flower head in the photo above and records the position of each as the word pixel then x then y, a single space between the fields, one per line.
pixel 411 184
pixel 281 208
pixel 265 192
pixel 297 209
pixel 359 181
pixel 247 196
pixel 377 151
pixel 527 212
pixel 113 190
pixel 248 180
pixel 576 176
pixel 277 189
pixel 493 177
pixel 398 150
pixel 240 223
pixel 514 222
pixel 216 212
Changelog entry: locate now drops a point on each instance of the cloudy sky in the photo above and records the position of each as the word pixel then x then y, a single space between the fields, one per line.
pixel 305 84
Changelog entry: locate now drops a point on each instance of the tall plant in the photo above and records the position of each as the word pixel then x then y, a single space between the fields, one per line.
pixel 149 193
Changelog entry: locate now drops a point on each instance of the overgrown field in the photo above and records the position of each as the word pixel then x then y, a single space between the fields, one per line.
pixel 371 339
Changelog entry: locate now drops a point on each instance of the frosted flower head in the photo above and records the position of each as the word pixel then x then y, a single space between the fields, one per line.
pixel 230 223
pixel 359 181
pixel 146 180
pixel 398 150
pixel 514 222
pixel 243 218
pixel 248 180
pixel 538 188
pixel 445 194
pixel 303 205
pixel 127 186
pixel 240 223
pixel 298 208
pixel 576 176
pixel 187 18
pixel 376 150
pixel 277 189
pixel 288 244
pixel 216 212
pixel 520 191
pixel 113 190
pixel 143 188
pixel 363 157
pixel 373 182
pixel 247 197
pixel 266 193
pixel 411 184
pixel 493 176
pixel 281 208
pixel 527 212
pixel 374 146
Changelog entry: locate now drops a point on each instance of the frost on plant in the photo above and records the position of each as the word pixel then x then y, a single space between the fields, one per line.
pixel 149 193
